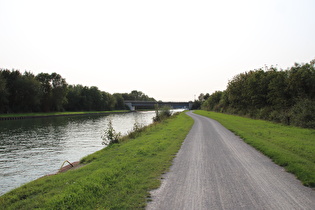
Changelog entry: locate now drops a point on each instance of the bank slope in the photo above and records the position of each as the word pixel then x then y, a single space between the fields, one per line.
pixel 117 177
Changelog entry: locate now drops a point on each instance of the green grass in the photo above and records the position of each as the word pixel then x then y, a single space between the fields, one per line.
pixel 117 177
pixel 290 147
pixel 57 113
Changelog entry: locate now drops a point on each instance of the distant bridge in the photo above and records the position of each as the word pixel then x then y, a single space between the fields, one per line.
pixel 133 105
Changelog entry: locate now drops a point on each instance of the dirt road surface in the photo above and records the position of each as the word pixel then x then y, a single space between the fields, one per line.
pixel 214 169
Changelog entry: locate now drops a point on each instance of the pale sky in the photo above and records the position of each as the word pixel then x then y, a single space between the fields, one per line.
pixel 170 50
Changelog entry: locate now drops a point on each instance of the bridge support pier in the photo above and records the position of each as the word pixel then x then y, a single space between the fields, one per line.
pixel 132 108
pixel 190 105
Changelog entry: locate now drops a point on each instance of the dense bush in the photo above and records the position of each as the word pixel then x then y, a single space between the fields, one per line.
pixel 286 96
pixel 303 114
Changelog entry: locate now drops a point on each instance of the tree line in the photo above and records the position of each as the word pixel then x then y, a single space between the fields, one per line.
pixel 21 93
pixel 285 96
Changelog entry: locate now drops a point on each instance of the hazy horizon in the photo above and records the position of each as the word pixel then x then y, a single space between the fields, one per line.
pixel 169 50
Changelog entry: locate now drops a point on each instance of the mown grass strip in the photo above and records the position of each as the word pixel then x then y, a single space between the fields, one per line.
pixel 43 114
pixel 117 177
pixel 290 147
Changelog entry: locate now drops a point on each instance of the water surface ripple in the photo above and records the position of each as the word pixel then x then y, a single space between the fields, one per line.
pixel 32 148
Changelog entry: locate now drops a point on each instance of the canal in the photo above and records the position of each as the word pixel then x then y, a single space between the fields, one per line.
pixel 31 148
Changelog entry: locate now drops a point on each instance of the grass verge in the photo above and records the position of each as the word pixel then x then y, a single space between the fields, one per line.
pixel 119 176
pixel 48 114
pixel 290 147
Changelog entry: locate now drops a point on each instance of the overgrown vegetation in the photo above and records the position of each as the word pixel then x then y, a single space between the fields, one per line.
pixel 290 147
pixel 119 176
pixel 285 96
pixel 21 93
pixel 162 113
pixel 136 131
pixel 110 136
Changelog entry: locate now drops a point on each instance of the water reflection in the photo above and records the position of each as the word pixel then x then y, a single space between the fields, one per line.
pixel 32 148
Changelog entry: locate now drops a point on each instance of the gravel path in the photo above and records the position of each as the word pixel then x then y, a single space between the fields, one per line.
pixel 215 169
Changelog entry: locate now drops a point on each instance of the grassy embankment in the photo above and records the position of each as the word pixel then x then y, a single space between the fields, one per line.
pixel 49 114
pixel 117 177
pixel 290 147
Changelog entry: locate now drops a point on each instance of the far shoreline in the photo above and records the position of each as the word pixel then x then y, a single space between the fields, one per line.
pixel 20 116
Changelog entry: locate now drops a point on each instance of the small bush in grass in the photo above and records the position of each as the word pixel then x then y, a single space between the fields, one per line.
pixel 161 114
pixel 136 131
pixel 110 136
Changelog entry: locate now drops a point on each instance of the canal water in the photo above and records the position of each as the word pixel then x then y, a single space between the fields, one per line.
pixel 32 148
